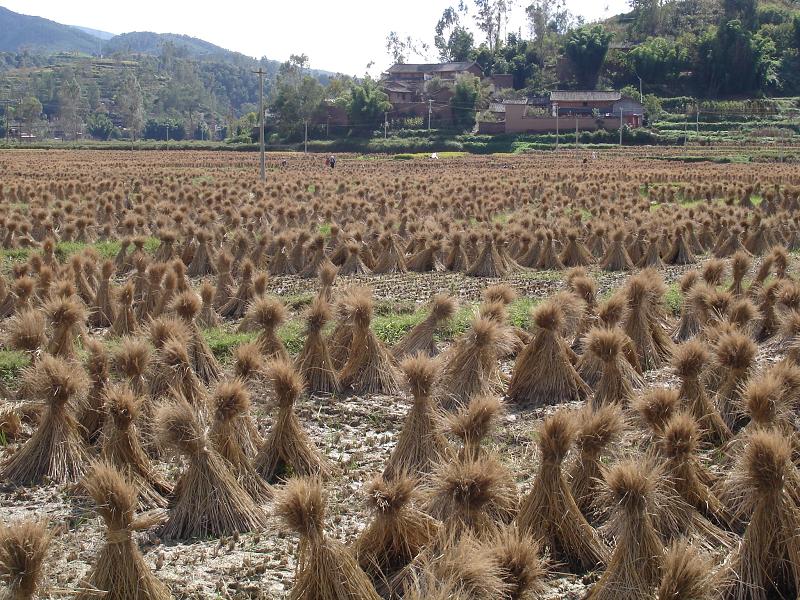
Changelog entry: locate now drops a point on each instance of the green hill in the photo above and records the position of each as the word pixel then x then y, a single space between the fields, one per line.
pixel 37 35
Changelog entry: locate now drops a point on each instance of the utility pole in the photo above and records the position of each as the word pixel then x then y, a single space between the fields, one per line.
pixel 305 139
pixel 260 73
pixel 385 125
pixel 7 104
pixel 685 125
pixel 697 121
pixel 167 132
pixel 620 126
pixel 555 107
pixel 430 113
pixel 641 97
pixel 576 134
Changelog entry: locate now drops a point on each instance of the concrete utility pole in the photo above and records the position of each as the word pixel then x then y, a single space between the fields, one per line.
pixel 385 125
pixel 430 113
pixel 305 139
pixel 555 107
pixel 685 125
pixel 7 104
pixel 576 134
pixel 620 127
pixel 260 74
pixel 641 97
pixel 697 121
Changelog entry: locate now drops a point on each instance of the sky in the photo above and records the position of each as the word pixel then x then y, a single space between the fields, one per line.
pixel 337 35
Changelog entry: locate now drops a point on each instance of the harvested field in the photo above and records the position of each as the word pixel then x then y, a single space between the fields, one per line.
pixel 614 340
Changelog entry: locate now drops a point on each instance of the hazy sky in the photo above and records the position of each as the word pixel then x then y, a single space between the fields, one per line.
pixel 337 35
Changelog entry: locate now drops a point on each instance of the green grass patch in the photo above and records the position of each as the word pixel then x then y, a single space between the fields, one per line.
pixel 13 255
pixel 106 249
pixel 11 363
pixel 519 312
pixel 223 342
pixel 292 335
pixel 391 327
pixel 325 229
pixel 673 298
pixel 457 325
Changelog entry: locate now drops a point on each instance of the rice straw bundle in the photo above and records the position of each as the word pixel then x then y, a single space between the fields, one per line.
pixel 473 422
pixel 92 413
pixel 619 379
pixel 187 306
pixel 327 570
pixel 56 450
pixel 370 368
pixel 689 361
pixel 630 488
pixel 209 500
pixel 66 318
pixel 288 447
pixel 543 373
pixel 397 533
pixel 470 367
pixel 420 443
pixel 23 547
pixel 231 405
pixel 314 360
pixel 121 446
pixel 421 337
pixel 119 569
pixel 267 315
pixel 766 564
pixel 549 512
pixel 598 430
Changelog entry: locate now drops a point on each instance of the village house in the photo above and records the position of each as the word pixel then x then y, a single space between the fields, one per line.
pixel 406 87
pixel 563 110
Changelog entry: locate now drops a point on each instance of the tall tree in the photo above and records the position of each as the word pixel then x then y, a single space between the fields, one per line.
pixel 586 49
pixel 297 96
pixel 452 39
pixel 69 100
pixel 402 48
pixel 367 104
pixel 490 16
pixel 647 16
pixel 130 104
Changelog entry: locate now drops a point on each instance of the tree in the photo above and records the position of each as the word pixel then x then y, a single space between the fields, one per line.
pixel 29 110
pixel 732 60
pixel 100 126
pixel 69 98
pixel 469 97
pixel 297 96
pixel 164 129
pixel 489 17
pixel 130 104
pixel 586 49
pixel 658 60
pixel 548 20
pixel 454 41
pixel 400 49
pixel 742 10
pixel 367 104
pixel 796 27
pixel 647 16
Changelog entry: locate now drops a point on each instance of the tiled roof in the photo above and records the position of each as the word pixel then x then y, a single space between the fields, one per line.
pixel 430 68
pixel 585 96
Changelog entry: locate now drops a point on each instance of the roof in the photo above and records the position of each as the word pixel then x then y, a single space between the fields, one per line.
pixel 432 68
pixel 395 86
pixel 585 96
